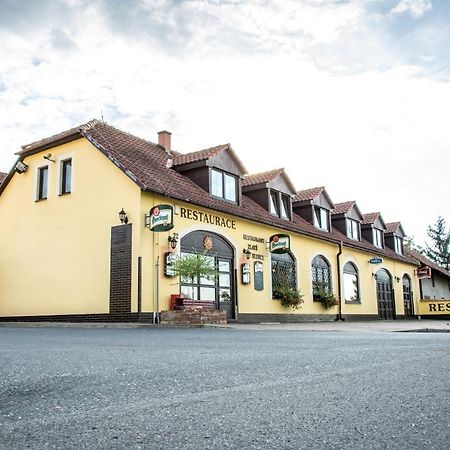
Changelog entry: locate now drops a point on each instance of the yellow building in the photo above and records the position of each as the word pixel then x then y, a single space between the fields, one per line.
pixel 66 254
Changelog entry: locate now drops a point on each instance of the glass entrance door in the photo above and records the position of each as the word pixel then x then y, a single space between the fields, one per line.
pixel 219 291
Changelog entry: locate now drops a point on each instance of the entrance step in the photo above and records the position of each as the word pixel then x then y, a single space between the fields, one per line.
pixel 194 316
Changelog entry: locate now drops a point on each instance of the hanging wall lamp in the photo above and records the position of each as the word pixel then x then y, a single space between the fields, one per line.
pixel 247 253
pixel 173 240
pixel 123 217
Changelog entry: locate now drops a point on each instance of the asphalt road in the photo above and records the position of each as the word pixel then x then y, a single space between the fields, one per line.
pixel 69 388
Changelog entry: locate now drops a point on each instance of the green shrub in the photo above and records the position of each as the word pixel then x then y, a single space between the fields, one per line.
pixel 289 298
pixel 325 297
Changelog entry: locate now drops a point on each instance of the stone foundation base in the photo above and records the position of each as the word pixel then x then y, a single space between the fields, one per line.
pixel 193 316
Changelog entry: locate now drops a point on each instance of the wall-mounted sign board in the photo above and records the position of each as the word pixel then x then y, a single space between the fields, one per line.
pixel 376 260
pixel 279 243
pixel 160 218
pixel 434 307
pixel 259 275
pixel 423 272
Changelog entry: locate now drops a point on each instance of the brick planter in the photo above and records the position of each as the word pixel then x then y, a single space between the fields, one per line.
pixel 193 316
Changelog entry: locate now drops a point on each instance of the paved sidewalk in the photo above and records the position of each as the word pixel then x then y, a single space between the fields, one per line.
pixel 438 326
pixel 350 326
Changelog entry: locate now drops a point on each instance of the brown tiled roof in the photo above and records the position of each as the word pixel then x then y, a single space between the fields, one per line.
pixel 343 208
pixel 147 165
pixel 200 155
pixel 308 194
pixel 370 218
pixel 423 260
pixel 262 177
pixel 2 177
pixel 392 227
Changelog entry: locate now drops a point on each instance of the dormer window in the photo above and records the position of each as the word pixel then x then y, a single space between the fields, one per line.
pixel 398 242
pixel 223 185
pixel 378 238
pixel 279 204
pixel 321 218
pixel 353 229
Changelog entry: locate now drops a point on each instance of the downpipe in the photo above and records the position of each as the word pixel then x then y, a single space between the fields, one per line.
pixel 338 262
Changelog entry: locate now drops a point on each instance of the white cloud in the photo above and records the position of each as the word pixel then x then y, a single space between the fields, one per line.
pixel 416 8
pixel 250 73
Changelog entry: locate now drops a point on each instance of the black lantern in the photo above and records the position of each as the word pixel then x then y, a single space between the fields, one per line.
pixel 247 253
pixel 173 241
pixel 123 217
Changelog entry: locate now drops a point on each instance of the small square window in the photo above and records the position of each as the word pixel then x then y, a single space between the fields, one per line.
pixel 223 185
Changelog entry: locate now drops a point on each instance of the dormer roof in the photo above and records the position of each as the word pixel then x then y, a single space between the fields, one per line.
pixel 395 228
pixel 345 208
pixel 312 195
pixel 268 179
pixel 374 219
pixel 206 156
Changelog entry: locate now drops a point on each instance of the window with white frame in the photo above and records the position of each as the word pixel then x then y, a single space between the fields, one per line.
pixel 66 177
pixel 223 185
pixel 280 204
pixel 353 229
pixel 398 243
pixel 351 283
pixel 321 218
pixel 378 238
pixel 42 183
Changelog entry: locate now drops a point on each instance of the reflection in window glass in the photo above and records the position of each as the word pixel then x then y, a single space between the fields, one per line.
pixel 377 238
pixel 189 292
pixel 224 266
pixel 216 183
pixel 230 187
pixel 353 229
pixel 398 245
pixel 225 295
pixel 284 212
pixel 321 218
pixel 224 279
pixel 351 289
pixel 208 294
pixel 66 176
pixel 42 183
pixel 273 203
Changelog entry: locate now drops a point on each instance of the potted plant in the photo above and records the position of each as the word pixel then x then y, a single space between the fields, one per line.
pixel 195 265
pixel 323 295
pixel 192 266
pixel 288 296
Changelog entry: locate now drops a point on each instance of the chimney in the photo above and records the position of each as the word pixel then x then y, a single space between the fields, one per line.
pixel 164 139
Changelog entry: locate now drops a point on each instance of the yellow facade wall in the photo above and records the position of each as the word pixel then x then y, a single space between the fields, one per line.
pixel 55 253
pixel 250 301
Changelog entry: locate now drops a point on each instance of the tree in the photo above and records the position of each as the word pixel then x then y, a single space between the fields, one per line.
pixel 439 248
pixel 195 265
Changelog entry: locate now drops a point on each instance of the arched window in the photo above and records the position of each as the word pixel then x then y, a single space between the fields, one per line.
pixel 407 296
pixel 351 283
pixel 321 274
pixel 284 272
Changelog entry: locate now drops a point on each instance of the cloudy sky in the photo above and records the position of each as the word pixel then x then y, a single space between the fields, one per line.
pixel 350 94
